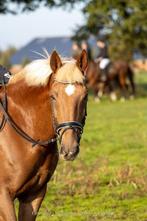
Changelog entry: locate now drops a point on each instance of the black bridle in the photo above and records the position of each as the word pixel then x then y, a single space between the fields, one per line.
pixel 73 125
pixel 60 129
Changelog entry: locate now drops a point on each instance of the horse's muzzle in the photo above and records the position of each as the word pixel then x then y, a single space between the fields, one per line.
pixel 69 154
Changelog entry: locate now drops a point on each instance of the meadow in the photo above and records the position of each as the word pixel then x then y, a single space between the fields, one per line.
pixel 108 180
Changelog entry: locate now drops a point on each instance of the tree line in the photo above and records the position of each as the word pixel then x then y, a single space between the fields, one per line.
pixel 122 22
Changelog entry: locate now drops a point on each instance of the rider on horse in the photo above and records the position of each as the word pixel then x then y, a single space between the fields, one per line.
pixel 103 57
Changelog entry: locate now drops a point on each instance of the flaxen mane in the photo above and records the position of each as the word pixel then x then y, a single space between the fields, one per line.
pixel 38 73
pixel 69 73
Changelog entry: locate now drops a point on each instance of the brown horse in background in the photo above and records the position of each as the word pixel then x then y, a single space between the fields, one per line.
pixel 46 99
pixel 119 76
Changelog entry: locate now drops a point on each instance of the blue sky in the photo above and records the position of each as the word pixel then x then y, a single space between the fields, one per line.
pixel 20 29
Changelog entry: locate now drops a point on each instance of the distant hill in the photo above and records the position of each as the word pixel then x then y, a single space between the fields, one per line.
pixel 61 44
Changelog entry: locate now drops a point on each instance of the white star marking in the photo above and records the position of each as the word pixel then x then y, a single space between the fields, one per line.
pixel 70 89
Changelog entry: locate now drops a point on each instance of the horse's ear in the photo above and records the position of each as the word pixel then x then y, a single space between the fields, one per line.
pixel 55 61
pixel 82 61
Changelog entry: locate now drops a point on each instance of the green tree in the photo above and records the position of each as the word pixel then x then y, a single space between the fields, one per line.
pixel 31 5
pixel 122 21
pixel 6 55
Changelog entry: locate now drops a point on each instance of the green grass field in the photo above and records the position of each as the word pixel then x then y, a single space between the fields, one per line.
pixel 108 180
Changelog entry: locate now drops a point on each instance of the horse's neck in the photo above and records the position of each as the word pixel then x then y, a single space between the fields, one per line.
pixel 31 110
pixel 93 67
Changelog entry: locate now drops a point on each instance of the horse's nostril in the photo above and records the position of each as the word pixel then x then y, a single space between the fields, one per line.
pixel 69 154
pixel 74 151
pixel 63 153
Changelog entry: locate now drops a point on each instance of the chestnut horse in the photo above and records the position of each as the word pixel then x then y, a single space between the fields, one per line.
pixel 119 75
pixel 45 101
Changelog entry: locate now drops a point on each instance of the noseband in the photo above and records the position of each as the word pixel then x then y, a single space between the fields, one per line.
pixel 73 125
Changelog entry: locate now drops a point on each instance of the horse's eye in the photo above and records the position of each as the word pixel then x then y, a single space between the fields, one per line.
pixel 52 98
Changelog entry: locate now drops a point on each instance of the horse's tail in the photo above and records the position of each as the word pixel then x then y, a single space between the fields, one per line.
pixel 130 75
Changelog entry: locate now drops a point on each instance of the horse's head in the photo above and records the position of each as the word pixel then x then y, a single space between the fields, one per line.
pixel 68 94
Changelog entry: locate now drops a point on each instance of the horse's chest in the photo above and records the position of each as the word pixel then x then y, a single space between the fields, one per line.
pixel 40 175
pixel 37 180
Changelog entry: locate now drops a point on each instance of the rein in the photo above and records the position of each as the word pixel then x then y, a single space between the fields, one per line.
pixel 4 104
pixel 19 131
pixel 60 129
